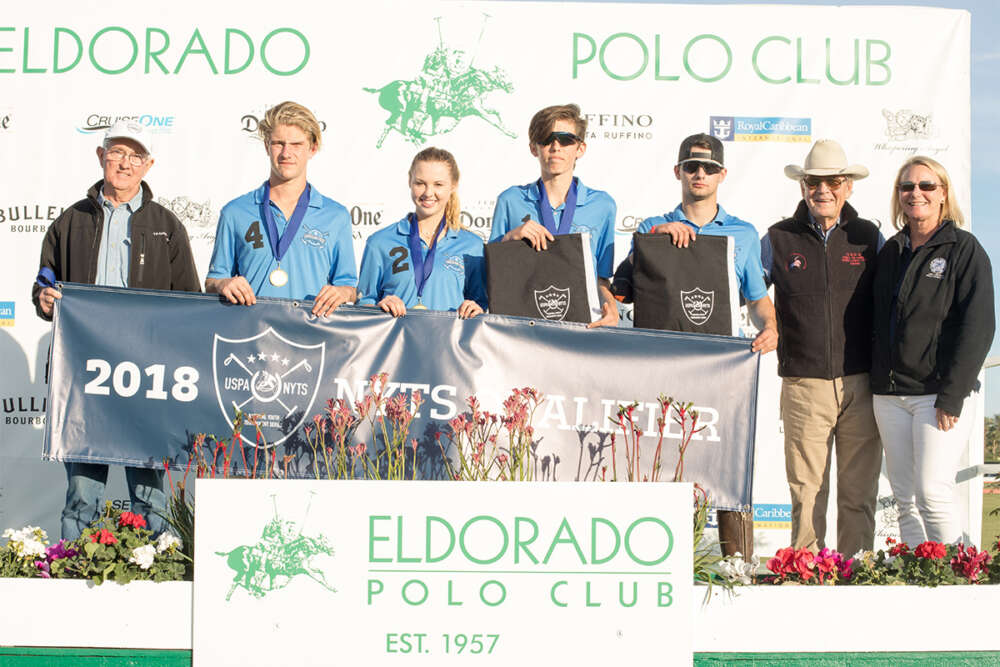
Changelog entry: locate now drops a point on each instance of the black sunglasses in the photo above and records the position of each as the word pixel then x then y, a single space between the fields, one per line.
pixel 564 139
pixel 692 167
pixel 832 182
pixel 925 186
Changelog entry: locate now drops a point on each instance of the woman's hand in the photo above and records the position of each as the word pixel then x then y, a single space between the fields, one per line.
pixel 945 421
pixel 469 309
pixel 393 305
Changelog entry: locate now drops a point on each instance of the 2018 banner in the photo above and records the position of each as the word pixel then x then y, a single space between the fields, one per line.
pixel 180 364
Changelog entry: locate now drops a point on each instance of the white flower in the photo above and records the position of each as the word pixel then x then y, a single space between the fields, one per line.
pixel 166 541
pixel 143 556
pixel 28 541
pixel 735 569
pixel 32 547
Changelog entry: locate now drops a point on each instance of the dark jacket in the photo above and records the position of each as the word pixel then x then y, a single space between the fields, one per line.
pixel 943 317
pixel 823 294
pixel 161 252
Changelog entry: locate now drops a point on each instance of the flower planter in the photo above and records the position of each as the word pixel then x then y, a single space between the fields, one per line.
pixel 72 612
pixel 766 619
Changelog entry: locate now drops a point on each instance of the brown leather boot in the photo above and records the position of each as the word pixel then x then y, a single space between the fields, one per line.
pixel 735 533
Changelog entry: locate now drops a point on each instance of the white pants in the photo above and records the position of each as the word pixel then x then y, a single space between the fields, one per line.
pixel 922 462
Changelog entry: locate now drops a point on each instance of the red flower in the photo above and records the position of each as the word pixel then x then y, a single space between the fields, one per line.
pixel 805 563
pixel 933 550
pixel 782 563
pixel 105 536
pixel 900 549
pixel 131 519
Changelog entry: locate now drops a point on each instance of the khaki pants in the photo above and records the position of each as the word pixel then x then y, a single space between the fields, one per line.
pixel 818 415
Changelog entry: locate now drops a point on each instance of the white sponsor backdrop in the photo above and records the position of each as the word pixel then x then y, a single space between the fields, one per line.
pixel 885 82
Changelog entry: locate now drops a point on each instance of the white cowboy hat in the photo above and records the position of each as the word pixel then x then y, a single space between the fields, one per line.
pixel 826 158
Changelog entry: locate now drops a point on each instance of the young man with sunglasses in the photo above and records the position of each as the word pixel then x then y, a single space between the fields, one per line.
pixel 822 264
pixel 701 169
pixel 558 202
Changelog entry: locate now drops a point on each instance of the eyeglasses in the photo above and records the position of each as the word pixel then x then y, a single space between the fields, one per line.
pixel 832 182
pixel 925 186
pixel 117 155
pixel 692 167
pixel 564 139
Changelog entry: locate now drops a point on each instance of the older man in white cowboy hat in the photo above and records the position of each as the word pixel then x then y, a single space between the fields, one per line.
pixel 821 262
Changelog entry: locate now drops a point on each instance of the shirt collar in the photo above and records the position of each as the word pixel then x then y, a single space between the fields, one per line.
pixel 133 204
pixel 582 192
pixel 403 229
pixel 677 215
pixel 315 198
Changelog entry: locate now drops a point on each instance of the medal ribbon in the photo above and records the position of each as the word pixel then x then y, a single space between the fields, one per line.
pixel 279 246
pixel 422 266
pixel 545 208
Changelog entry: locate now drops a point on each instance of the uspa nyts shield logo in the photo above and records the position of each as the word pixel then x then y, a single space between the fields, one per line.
pixel 269 376
pixel 552 302
pixel 697 305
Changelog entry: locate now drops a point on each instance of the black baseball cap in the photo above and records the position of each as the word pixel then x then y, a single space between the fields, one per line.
pixel 690 151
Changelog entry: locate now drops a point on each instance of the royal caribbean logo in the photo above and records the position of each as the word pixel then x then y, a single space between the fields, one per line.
pixel 552 302
pixel 270 377
pixel 282 553
pixel 772 516
pixel 6 313
pixel 755 128
pixel 98 122
pixel 698 305
pixel 447 89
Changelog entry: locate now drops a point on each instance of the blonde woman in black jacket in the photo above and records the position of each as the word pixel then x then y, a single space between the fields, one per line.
pixel 933 326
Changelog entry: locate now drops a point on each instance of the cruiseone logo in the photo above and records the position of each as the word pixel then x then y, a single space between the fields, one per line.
pixel 628 225
pixel 283 552
pixel 147 50
pixel 101 121
pixel 619 126
pixel 552 302
pixel 366 218
pixel 250 122
pixel 23 410
pixel 270 378
pixel 28 218
pixel 6 313
pixel 760 128
pixel 698 305
pixel 447 89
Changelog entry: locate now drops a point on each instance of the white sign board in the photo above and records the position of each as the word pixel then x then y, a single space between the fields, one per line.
pixel 421 573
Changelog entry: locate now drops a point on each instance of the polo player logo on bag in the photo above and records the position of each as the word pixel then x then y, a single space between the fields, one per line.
pixel 269 376
pixel 552 302
pixel 697 305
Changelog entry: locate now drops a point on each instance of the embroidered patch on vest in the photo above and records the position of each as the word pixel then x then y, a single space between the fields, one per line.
pixel 796 262
pixel 937 267
pixel 853 258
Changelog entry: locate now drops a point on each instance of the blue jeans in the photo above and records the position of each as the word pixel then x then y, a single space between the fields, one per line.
pixel 85 494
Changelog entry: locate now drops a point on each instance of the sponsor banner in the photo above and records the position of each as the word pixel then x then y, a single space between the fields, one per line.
pixel 7 313
pixel 412 576
pixel 739 128
pixel 195 361
pixel 772 515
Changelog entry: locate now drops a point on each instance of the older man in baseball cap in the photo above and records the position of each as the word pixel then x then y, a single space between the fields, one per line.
pixel 116 236
pixel 821 262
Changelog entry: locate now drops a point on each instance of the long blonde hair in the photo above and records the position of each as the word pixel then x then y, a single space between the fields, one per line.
pixel 949 207
pixel 453 209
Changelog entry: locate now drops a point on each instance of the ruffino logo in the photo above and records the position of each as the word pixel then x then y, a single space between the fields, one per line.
pixel 115 49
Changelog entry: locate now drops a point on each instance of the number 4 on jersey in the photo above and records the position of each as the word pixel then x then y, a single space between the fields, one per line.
pixel 254 236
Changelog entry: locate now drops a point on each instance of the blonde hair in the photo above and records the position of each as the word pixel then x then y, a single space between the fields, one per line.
pixel 290 113
pixel 453 209
pixel 949 207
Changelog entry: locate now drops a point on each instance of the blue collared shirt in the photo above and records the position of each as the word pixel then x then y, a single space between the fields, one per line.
pixel 749 271
pixel 459 272
pixel 322 252
pixel 116 239
pixel 595 213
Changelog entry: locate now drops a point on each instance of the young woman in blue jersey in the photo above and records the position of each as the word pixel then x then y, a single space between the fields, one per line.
pixel 426 260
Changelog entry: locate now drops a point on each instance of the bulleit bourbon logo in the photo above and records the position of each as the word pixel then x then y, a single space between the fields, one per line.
pixel 698 305
pixel 552 302
pixel 269 376
pixel 448 88
pixel 282 553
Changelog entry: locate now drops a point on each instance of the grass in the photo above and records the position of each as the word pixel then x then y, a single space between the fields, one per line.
pixel 991 524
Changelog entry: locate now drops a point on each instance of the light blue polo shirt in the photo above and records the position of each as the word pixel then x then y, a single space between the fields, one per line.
pixel 321 253
pixel 459 269
pixel 595 213
pixel 749 271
